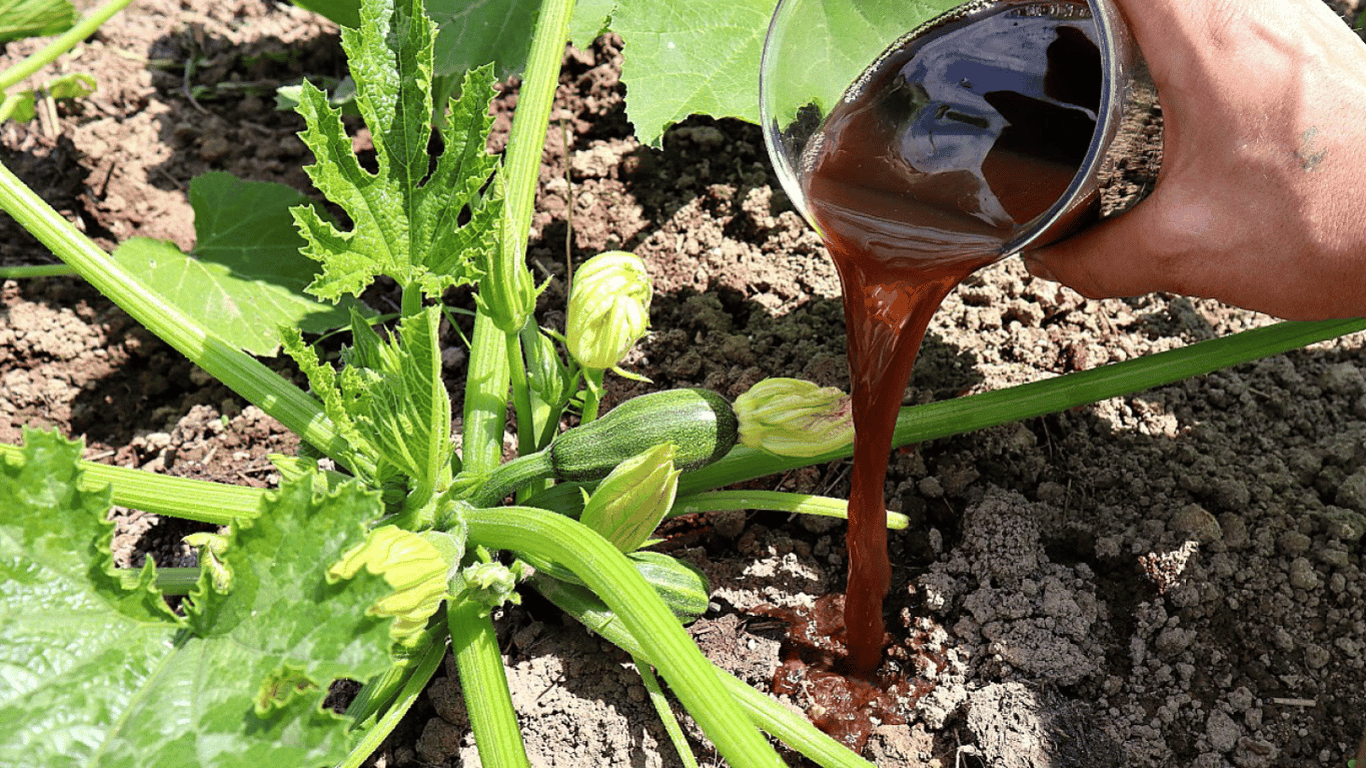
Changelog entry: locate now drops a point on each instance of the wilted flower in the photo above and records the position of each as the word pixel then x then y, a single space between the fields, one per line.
pixel 629 503
pixel 791 417
pixel 609 309
pixel 212 547
pixel 415 568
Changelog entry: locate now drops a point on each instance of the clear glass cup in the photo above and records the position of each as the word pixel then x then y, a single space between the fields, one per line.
pixel 817 49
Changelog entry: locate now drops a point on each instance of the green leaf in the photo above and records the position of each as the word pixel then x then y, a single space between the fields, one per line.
pixel 32 18
pixel 405 225
pixel 686 58
pixel 245 276
pixel 95 673
pixel 591 18
pixel 344 12
pixel 825 46
pixel 474 34
pixel 404 410
pixel 72 86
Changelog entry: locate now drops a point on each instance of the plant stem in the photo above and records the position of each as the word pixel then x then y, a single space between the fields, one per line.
pixel 526 142
pixel 412 689
pixel 521 396
pixel 486 397
pixel 510 477
pixel 665 712
pixel 785 725
pixel 246 375
pixel 183 497
pixel 965 414
pixel 65 42
pixel 775 501
pixel 410 301
pixel 36 270
pixel 485 686
pixel 592 394
pixel 610 575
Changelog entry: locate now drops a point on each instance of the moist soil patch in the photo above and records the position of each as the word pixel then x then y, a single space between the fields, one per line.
pixel 1172 578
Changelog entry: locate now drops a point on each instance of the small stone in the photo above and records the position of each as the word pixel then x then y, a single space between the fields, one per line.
pixel 1293 543
pixel 1254 753
pixel 1194 521
pixel 1302 575
pixel 1352 491
pixel 1222 732
pixel 1235 530
pixel 728 524
pixel 930 487
pixel 1343 379
pixel 1345 524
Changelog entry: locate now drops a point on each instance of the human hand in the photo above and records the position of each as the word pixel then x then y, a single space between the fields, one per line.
pixel 1261 196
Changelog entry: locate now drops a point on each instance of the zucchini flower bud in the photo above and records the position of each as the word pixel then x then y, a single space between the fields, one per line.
pixel 629 503
pixel 609 309
pixel 791 417
pixel 507 293
pixel 416 569
pixel 490 585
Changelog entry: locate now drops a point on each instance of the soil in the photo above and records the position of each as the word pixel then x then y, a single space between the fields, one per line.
pixel 1170 578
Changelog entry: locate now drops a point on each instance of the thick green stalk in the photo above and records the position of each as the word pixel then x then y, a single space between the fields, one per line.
pixel 610 575
pixel 521 171
pixel 526 142
pixel 965 414
pixel 785 725
pixel 775 501
pixel 246 375
pixel 65 42
pixel 486 398
pixel 183 497
pixel 485 687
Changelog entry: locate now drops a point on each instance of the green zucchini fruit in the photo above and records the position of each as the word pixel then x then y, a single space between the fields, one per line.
pixel 680 585
pixel 700 423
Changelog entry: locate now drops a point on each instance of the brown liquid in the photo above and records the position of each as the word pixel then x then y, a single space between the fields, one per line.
pixel 936 158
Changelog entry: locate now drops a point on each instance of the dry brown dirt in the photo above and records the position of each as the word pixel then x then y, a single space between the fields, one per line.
pixel 1172 578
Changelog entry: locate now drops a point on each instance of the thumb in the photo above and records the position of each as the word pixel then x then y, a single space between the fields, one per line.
pixel 1113 258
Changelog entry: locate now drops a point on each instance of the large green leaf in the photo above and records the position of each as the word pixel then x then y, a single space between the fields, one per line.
pixel 823 46
pixel 246 275
pixel 405 225
pixel 96 673
pixel 30 18
pixel 693 57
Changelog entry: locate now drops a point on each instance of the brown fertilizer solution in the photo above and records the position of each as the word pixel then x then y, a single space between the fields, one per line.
pixel 943 151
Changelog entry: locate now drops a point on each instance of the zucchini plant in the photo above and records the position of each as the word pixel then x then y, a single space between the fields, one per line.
pixel 369 565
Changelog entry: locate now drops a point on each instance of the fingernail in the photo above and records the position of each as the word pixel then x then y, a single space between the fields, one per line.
pixel 1037 269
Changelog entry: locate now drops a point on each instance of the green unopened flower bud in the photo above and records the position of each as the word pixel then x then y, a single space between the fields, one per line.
pixel 507 293
pixel 609 309
pixel 791 417
pixel 413 566
pixel 629 503
pixel 490 585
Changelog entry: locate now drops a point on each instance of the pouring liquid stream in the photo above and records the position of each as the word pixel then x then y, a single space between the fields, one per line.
pixel 942 152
